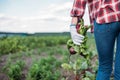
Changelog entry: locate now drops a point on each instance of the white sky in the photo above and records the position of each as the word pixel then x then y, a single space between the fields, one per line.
pixel 36 15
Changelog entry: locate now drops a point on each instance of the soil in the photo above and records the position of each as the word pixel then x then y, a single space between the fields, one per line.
pixel 3 60
pixel 3 76
pixel 28 61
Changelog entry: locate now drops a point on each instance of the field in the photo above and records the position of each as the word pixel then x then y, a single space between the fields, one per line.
pixel 39 57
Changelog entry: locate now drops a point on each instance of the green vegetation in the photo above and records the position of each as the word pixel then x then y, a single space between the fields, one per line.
pixel 38 57
pixel 16 44
pixel 43 70
pixel 14 70
pixel 80 64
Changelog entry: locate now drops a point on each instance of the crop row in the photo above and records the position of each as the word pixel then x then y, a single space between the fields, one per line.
pixel 15 44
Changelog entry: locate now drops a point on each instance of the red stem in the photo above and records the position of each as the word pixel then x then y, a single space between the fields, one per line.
pixel 77 77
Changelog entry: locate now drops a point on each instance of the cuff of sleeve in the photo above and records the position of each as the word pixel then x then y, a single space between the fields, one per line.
pixel 75 13
pixel 72 25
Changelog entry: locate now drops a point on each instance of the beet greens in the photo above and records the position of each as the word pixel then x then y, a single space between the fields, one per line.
pixel 79 58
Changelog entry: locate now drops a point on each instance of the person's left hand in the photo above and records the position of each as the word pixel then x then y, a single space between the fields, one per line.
pixel 76 37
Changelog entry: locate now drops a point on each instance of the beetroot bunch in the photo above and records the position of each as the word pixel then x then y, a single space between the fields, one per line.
pixel 80 49
pixel 79 59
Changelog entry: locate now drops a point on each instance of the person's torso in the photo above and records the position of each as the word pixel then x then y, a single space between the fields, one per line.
pixel 99 8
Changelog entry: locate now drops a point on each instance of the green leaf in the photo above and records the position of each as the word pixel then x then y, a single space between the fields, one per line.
pixel 84 65
pixel 76 48
pixel 86 78
pixel 70 43
pixel 66 66
pixel 89 74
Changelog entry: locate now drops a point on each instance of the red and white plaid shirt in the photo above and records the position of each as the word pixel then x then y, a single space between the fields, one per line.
pixel 103 11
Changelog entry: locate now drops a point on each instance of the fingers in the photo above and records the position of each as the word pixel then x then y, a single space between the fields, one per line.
pixel 76 37
pixel 77 40
pixel 76 43
pixel 80 36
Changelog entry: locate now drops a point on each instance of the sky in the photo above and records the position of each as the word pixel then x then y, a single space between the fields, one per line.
pixel 32 16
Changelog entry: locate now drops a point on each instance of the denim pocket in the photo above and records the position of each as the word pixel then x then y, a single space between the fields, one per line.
pixel 101 28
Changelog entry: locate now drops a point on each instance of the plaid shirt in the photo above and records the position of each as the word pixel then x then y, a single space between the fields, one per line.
pixel 103 11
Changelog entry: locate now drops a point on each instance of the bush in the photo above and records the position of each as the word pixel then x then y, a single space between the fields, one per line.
pixel 45 69
pixel 14 70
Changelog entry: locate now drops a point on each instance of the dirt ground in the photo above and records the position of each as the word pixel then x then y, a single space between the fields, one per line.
pixel 28 61
pixel 3 76
pixel 3 60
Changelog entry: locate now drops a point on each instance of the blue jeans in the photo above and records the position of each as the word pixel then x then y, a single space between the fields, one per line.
pixel 105 37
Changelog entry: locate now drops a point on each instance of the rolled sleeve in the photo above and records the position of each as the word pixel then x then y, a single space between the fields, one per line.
pixel 78 8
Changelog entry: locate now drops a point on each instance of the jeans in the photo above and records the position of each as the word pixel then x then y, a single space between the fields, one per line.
pixel 105 36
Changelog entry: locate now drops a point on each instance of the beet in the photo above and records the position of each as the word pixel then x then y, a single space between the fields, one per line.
pixel 72 51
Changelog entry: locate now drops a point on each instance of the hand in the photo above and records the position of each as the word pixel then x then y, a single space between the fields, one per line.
pixel 76 37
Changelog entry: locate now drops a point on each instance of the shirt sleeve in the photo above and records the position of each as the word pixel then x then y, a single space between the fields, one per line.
pixel 78 8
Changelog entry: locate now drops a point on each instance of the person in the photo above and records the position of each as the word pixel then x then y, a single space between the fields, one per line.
pixel 105 17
